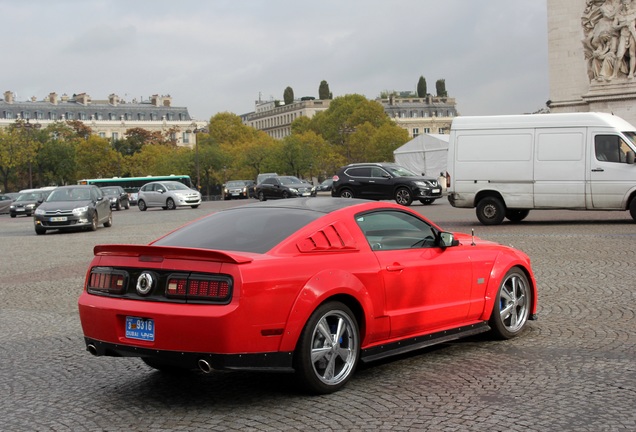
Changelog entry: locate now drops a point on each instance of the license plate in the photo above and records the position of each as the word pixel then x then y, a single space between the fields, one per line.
pixel 235 194
pixel 437 190
pixel 306 194
pixel 140 328
pixel 58 219
pixel 19 209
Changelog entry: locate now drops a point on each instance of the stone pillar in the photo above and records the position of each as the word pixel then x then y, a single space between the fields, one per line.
pixel 589 56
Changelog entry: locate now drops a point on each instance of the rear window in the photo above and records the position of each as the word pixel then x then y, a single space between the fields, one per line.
pixel 247 229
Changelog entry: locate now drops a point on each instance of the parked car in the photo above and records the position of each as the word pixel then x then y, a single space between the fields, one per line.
pixel 263 176
pixel 168 195
pixel 325 186
pixel 238 189
pixel 27 201
pixel 283 187
pixel 117 197
pixel 384 181
pixel 73 207
pixel 311 286
pixel 5 203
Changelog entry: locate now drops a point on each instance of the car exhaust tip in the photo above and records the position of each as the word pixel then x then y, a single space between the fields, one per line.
pixel 205 366
pixel 92 349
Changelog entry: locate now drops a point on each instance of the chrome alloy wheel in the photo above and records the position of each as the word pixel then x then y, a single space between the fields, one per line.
pixel 334 347
pixel 513 302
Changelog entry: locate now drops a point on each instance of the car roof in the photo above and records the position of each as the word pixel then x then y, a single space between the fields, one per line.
pixel 322 205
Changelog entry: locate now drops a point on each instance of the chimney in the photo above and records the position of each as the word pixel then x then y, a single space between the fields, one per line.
pixel 64 97
pixel 53 98
pixel 113 99
pixel 82 98
pixel 167 101
pixel 8 97
pixel 155 100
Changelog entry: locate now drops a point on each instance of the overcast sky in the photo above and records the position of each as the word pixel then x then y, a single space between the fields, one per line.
pixel 222 55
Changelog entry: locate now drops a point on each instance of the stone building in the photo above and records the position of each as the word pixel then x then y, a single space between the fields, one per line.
pixel 417 115
pixel 592 56
pixel 109 118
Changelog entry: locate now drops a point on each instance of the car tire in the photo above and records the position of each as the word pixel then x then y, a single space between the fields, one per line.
pixel 141 204
pixel 490 211
pixel 285 195
pixel 427 201
pixel 512 305
pixel 325 364
pixel 40 230
pixel 127 205
pixel 632 208
pixel 118 206
pixel 517 215
pixel 93 226
pixel 403 196
pixel 109 221
pixel 195 206
pixel 13 215
pixel 170 204
pixel 346 193
pixel 261 196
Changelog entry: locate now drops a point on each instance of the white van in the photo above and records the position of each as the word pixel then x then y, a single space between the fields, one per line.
pixel 505 166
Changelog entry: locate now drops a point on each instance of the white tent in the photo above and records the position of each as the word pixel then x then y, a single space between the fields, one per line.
pixel 424 154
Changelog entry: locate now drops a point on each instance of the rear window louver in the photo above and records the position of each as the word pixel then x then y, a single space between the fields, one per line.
pixel 332 238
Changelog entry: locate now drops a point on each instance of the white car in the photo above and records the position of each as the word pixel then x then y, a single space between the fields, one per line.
pixel 168 195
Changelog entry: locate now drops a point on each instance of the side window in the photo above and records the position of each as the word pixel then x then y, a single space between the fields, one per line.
pixel 378 172
pixel 359 172
pixel 610 148
pixel 392 229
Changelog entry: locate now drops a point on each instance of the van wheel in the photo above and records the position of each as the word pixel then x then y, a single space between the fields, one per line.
pixel 403 196
pixel 632 208
pixel 491 211
pixel 517 215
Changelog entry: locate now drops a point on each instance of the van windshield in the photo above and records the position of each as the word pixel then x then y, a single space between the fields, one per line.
pixel 631 137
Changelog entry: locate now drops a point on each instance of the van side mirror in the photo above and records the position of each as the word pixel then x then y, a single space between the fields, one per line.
pixel 630 157
pixel 447 239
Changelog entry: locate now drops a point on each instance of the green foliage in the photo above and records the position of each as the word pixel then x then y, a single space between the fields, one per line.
pixel 288 96
pixel 323 91
pixel 440 86
pixel 421 87
pixel 96 158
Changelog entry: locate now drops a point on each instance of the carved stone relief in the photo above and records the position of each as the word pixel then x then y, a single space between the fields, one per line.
pixel 609 28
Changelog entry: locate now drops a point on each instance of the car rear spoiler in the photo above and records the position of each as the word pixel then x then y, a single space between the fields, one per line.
pixel 159 253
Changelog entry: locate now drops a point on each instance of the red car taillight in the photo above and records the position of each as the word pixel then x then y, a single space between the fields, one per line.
pixel 335 178
pixel 199 287
pixel 107 280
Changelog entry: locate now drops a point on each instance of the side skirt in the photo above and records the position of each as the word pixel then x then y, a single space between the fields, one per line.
pixel 403 346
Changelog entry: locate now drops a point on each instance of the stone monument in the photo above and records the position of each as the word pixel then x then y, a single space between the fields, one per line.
pixel 592 56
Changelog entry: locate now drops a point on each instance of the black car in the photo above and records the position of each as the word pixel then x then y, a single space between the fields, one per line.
pixel 73 207
pixel 26 203
pixel 381 181
pixel 325 186
pixel 117 197
pixel 238 189
pixel 284 187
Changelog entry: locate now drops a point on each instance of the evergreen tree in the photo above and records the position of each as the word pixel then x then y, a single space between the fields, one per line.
pixel 323 91
pixel 421 87
pixel 440 86
pixel 288 96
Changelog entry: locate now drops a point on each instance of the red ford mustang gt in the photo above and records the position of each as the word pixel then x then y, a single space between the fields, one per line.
pixel 311 286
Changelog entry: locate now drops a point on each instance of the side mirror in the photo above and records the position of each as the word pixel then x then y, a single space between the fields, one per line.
pixel 447 239
pixel 630 157
pixel 160 190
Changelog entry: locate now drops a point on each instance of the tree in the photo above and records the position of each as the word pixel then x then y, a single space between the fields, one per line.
pixel 288 96
pixel 440 86
pixel 421 87
pixel 96 158
pixel 323 91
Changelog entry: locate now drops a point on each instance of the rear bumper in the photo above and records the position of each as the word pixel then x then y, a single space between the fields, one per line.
pixel 272 361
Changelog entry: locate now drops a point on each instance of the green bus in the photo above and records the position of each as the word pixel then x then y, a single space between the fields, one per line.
pixel 132 184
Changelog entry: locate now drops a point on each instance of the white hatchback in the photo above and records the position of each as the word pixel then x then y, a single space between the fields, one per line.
pixel 168 195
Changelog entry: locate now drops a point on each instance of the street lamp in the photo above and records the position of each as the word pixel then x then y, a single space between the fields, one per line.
pixel 195 131
pixel 28 127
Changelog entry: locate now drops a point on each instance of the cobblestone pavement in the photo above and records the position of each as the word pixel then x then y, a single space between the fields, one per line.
pixel 573 369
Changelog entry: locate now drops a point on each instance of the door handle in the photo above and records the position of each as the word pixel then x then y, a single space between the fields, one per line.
pixel 598 170
pixel 395 267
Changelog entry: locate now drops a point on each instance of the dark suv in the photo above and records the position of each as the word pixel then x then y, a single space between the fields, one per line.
pixel 384 181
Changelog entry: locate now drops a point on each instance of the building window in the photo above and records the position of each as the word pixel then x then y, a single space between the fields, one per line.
pixel 427 130
pixel 413 114
pixel 69 116
pixel 416 132
pixel 186 138
pixel 102 134
pixel 8 115
pixel 115 136
pixel 440 131
pixel 98 116
pixel 141 116
pixel 81 116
